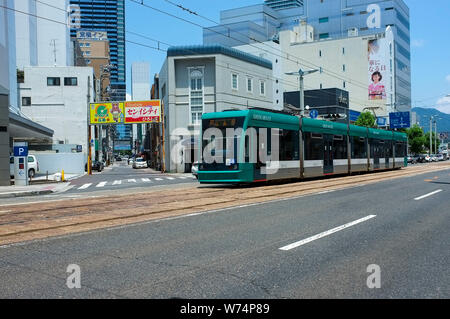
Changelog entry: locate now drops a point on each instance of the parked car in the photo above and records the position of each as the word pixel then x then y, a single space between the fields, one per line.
pixel 428 158
pixel 33 166
pixel 140 163
pixel 96 166
pixel 118 159
pixel 411 160
pixel 418 158
pixel 434 158
pixel 440 157
pixel 194 169
pixel 130 161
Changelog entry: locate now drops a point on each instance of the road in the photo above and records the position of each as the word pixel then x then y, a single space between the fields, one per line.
pixel 123 176
pixel 286 248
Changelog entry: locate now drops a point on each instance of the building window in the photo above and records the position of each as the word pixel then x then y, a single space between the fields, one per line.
pixel 26 101
pixel 53 81
pixel 343 51
pixel 324 36
pixel 343 84
pixel 70 81
pixel 87 53
pixel 343 68
pixel 320 53
pixel 196 95
pixel 249 85
pixel 234 81
pixel 323 20
pixel 87 45
pixel 262 87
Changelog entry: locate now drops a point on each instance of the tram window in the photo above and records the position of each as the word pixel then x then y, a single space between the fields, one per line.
pixel 247 149
pixel 339 147
pixel 313 147
pixel 400 149
pixel 359 148
pixel 289 145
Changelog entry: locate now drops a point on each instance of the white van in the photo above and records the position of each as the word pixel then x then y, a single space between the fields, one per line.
pixel 33 166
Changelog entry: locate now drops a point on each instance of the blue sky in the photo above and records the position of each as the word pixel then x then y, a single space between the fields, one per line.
pixel 430 45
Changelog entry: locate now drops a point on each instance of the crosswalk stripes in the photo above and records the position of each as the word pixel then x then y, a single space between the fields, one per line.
pixel 85 186
pixel 134 180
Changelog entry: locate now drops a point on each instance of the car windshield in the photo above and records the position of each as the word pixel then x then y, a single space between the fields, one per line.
pixel 139 160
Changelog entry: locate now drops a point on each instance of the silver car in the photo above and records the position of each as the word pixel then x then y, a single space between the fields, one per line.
pixel 140 163
pixel 194 170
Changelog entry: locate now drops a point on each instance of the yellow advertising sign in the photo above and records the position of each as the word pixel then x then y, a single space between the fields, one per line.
pixel 106 113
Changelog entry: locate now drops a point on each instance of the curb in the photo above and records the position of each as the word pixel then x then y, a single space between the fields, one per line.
pixel 26 193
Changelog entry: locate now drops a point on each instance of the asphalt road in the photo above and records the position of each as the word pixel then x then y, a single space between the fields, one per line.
pixel 123 176
pixel 401 225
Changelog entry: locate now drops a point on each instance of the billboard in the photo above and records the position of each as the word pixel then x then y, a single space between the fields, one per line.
pixel 106 113
pixel 378 69
pixel 142 112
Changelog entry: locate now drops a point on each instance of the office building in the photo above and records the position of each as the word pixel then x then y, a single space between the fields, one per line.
pixel 328 20
pixel 107 16
pixel 42 42
pixel 202 79
pixel 140 91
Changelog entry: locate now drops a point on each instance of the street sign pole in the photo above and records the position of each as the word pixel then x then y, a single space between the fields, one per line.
pixel 89 165
pixel 163 166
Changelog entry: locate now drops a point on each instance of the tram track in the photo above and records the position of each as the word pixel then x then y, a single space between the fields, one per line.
pixel 22 223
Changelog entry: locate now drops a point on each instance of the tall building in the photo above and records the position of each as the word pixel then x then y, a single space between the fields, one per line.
pixel 42 42
pixel 330 20
pixel 284 4
pixel 108 16
pixel 140 91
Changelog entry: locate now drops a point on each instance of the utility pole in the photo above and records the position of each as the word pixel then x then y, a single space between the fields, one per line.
pixel 89 165
pixel 431 133
pixel 301 75
pixel 435 136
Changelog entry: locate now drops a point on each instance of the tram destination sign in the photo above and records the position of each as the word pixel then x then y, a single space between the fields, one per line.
pixel 399 120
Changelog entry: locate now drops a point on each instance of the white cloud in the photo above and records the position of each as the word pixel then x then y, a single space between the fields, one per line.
pixel 448 78
pixel 418 43
pixel 443 105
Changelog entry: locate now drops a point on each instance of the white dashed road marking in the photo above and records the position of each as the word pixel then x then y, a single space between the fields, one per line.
pixel 326 233
pixel 427 195
pixel 101 184
pixel 85 186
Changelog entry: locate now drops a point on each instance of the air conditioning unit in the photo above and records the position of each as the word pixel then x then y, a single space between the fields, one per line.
pixel 353 32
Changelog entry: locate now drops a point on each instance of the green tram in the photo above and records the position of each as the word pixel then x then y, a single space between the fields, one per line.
pixel 306 147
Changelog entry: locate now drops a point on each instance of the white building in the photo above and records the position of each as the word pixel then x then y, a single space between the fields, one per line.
pixel 341 63
pixel 40 41
pixel 58 98
pixel 203 79
pixel 140 91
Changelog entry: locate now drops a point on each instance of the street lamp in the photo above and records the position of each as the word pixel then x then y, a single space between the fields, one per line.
pixel 301 74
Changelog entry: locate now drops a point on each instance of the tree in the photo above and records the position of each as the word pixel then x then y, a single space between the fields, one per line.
pixel 366 119
pixel 416 139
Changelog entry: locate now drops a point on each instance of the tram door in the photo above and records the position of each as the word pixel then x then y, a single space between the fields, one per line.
pixel 328 154
pixel 387 152
pixel 375 151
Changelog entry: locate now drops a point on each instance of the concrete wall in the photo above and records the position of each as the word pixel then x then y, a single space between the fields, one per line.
pixel 71 163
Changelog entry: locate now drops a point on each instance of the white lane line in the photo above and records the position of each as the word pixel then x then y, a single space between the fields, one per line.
pixel 170 178
pixel 182 177
pixel 85 186
pixel 326 233
pixel 101 184
pixel 132 180
pixel 158 179
pixel 117 182
pixel 146 180
pixel 427 195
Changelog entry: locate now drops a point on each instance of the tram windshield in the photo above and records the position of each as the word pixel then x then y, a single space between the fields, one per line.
pixel 221 140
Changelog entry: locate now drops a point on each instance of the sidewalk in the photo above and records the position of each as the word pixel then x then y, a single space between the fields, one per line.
pixel 31 190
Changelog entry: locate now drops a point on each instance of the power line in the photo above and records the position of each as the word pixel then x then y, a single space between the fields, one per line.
pixel 328 72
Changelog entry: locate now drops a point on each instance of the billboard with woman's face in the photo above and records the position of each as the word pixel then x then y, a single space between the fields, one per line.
pixel 378 69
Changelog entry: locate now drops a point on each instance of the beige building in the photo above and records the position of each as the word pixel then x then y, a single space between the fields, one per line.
pixel 346 63
pixel 94 52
